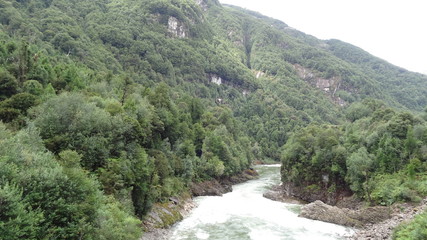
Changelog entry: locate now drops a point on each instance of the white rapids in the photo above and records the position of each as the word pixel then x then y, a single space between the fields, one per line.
pixel 245 214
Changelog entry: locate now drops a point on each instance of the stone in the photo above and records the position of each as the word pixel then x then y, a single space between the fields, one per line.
pixel 343 216
pixel 216 80
pixel 176 28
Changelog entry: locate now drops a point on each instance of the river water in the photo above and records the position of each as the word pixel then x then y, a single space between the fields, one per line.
pixel 245 214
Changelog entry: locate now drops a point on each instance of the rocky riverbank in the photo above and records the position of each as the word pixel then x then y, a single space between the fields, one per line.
pixel 400 213
pixel 370 223
pixel 163 215
pixel 277 193
pixel 221 186
pixel 344 216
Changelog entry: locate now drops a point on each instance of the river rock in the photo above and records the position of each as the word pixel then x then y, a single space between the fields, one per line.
pixel 343 216
pixel 308 193
pixel 276 193
pixel 223 185
pixel 209 188
pixel 402 212
pixel 164 215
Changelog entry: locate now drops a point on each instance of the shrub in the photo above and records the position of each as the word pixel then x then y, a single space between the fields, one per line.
pixel 415 230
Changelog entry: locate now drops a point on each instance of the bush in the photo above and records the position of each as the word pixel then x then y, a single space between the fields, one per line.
pixel 116 224
pixel 415 230
pixel 388 189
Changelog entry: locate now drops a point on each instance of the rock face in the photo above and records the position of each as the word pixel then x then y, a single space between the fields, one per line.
pixel 203 5
pixel 163 215
pixel 259 74
pixel 222 186
pixel 216 79
pixel 277 193
pixel 383 230
pixel 328 85
pixel 308 194
pixel 343 216
pixel 209 188
pixel 176 28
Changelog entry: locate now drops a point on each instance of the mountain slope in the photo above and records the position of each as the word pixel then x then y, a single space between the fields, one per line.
pixel 139 98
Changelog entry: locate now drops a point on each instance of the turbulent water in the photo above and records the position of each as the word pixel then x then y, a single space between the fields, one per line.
pixel 245 214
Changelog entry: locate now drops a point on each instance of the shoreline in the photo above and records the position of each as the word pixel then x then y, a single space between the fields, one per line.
pixel 165 233
pixel 183 206
pixel 383 229
pixel 401 213
pixel 377 229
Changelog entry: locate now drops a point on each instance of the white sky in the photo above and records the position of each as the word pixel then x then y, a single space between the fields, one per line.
pixel 394 30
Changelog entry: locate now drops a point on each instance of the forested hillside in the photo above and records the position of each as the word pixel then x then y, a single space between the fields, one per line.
pixel 380 155
pixel 108 106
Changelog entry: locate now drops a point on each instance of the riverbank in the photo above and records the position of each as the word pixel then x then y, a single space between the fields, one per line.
pixel 370 223
pixel 245 214
pixel 277 193
pixel 401 213
pixel 218 187
pixel 163 215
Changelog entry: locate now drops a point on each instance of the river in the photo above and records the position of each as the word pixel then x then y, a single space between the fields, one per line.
pixel 245 214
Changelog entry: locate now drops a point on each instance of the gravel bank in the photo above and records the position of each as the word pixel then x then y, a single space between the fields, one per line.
pixel 400 213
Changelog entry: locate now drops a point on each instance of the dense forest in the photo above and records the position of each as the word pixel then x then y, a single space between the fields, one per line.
pixel 110 106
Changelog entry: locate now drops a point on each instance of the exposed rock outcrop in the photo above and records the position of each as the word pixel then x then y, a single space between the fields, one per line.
pixel 328 85
pixel 177 28
pixel 343 216
pixel 221 186
pixel 164 215
pixel 383 230
pixel 259 74
pixel 277 193
pixel 312 193
pixel 372 223
pixel 203 5
pixel 209 188
pixel 216 79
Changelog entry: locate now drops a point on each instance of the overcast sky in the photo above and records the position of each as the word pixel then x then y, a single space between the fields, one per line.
pixel 394 30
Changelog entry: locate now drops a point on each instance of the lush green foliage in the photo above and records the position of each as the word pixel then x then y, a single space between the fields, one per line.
pixel 406 88
pixel 107 108
pixel 45 198
pixel 415 230
pixel 381 155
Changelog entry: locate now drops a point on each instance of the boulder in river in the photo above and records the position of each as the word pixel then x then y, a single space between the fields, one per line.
pixel 343 216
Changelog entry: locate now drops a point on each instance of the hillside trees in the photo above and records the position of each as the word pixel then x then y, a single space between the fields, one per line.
pixel 112 99
pixel 111 141
pixel 378 155
pixel 58 200
pixel 314 155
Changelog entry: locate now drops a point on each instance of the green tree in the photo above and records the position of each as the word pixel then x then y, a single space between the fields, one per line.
pixel 17 219
pixel 8 84
pixel 359 165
